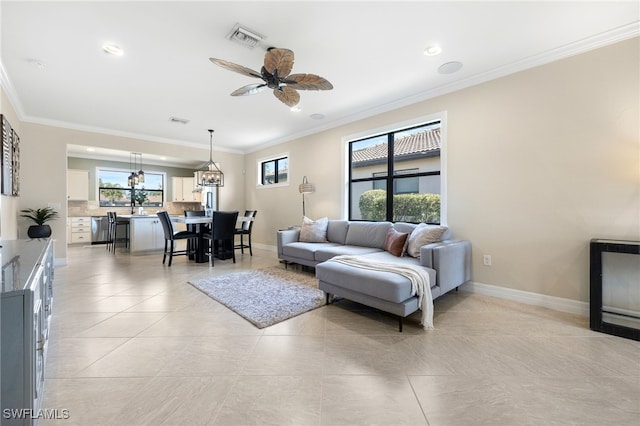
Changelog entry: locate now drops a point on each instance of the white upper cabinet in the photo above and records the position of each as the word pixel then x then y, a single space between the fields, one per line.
pixel 183 189
pixel 77 185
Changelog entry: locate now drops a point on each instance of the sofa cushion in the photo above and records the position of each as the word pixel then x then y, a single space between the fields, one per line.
pixel 395 242
pixel 424 234
pixel 383 285
pixel 337 231
pixel 367 234
pixel 314 231
pixel 404 227
pixel 305 250
pixel 325 253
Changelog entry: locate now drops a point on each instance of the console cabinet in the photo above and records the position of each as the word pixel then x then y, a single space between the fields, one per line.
pixel 25 310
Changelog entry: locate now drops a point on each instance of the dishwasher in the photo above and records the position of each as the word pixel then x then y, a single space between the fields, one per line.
pixel 99 229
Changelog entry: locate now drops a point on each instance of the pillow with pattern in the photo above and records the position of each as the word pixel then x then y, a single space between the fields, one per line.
pixel 314 231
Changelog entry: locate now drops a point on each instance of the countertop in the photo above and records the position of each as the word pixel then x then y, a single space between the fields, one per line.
pixel 19 259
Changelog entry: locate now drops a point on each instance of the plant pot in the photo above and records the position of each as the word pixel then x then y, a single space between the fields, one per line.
pixel 39 231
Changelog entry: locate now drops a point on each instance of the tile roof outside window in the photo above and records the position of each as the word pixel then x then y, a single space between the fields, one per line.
pixel 428 140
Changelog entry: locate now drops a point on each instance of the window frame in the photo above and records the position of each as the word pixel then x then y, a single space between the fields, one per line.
pixel 392 128
pixel 260 163
pixel 139 186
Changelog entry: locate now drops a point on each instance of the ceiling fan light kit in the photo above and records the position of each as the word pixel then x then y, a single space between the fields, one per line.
pixel 276 75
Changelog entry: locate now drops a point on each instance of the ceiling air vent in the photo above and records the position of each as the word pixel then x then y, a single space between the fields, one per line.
pixel 178 120
pixel 245 37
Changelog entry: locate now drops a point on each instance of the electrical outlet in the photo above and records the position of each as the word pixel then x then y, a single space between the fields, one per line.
pixel 54 205
pixel 486 259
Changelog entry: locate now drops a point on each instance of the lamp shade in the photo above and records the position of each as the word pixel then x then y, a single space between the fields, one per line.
pixel 305 187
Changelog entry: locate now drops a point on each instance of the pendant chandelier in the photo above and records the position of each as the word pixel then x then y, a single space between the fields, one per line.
pixel 135 177
pixel 209 174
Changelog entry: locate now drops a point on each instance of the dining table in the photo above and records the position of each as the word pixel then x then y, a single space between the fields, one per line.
pixel 199 222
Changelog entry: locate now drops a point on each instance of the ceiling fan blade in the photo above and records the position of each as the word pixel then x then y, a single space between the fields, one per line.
pixel 235 67
pixel 249 89
pixel 280 60
pixel 287 95
pixel 308 82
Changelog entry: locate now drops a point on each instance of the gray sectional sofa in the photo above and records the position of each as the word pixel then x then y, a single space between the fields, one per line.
pixel 447 262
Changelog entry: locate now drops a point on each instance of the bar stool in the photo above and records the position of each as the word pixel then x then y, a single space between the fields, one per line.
pixel 112 237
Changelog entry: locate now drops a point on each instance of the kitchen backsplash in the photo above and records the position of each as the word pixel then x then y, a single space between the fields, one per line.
pixel 91 208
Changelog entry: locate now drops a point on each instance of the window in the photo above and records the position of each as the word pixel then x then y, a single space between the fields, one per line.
pixel 407 162
pixel 113 189
pixel 404 186
pixel 274 171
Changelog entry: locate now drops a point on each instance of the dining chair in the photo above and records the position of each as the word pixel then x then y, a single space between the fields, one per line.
pixel 222 235
pixel 245 229
pixel 171 236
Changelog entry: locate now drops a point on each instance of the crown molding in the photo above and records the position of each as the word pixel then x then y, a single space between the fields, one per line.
pixel 581 46
pixel 9 90
pixel 590 43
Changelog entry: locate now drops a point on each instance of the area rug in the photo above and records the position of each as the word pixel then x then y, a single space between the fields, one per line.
pixel 264 296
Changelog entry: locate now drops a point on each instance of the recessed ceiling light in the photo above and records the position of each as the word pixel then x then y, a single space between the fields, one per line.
pixel 113 49
pixel 317 116
pixel 432 50
pixel 450 67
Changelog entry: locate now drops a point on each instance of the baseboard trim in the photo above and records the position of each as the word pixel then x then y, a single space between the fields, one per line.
pixel 265 247
pixel 527 297
pixel 536 299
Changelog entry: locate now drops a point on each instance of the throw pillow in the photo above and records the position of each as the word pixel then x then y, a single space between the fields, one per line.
pixel 424 234
pixel 394 243
pixel 314 231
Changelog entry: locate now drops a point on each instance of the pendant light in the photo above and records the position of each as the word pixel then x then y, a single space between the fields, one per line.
pixel 209 174
pixel 140 172
pixel 135 177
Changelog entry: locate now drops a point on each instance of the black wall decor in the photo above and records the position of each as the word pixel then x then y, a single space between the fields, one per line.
pixel 16 165
pixel 10 165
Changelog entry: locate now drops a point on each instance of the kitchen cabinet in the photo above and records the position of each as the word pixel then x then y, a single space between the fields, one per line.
pixel 183 189
pixel 26 296
pixel 77 185
pixel 146 234
pixel 79 230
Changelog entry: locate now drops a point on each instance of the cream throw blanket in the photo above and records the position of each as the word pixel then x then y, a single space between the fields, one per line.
pixel 420 284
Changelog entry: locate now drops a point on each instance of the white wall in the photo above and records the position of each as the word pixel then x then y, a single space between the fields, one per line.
pixel 44 166
pixel 538 163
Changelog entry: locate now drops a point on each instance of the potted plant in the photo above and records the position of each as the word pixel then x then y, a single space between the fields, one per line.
pixel 141 196
pixel 40 217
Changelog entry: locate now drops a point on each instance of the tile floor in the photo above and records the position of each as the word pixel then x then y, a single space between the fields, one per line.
pixel 132 343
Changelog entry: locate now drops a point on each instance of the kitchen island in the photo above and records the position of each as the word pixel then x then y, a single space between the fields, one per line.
pixel 145 232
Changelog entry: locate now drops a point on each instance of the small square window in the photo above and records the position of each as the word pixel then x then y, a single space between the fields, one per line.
pixel 274 171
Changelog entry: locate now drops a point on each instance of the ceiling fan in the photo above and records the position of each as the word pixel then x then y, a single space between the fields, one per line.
pixel 276 75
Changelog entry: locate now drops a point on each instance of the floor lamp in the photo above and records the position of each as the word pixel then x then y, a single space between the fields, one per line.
pixel 305 188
